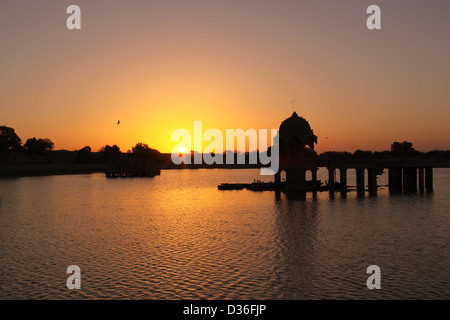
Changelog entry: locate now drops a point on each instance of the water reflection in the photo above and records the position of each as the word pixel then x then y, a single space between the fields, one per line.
pixel 178 237
pixel 296 224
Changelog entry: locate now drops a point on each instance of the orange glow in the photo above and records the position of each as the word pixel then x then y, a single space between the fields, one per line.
pixel 231 65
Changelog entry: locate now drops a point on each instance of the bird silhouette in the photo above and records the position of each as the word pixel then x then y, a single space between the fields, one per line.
pixel 118 122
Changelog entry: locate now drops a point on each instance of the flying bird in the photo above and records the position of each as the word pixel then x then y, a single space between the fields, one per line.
pixel 118 122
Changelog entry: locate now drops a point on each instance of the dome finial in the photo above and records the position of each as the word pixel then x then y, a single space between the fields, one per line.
pixel 293 108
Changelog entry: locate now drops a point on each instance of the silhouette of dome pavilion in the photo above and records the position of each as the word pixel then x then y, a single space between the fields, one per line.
pixel 296 139
pixel 296 146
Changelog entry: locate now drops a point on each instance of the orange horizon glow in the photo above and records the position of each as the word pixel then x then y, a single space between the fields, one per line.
pixel 160 66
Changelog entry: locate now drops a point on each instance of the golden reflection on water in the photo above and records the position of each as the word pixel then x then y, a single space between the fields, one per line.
pixel 176 236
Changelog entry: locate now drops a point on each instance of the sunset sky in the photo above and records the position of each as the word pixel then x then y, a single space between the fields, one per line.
pixel 160 65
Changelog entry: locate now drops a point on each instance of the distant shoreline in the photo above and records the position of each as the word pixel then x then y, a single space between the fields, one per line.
pixel 21 171
pixel 36 170
pixel 21 164
pixel 32 170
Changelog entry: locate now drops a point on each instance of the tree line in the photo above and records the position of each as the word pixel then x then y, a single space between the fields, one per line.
pixel 398 149
pixel 10 141
pixel 140 150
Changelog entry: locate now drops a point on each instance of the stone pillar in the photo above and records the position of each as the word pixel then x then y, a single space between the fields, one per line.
pixel 405 179
pixel 413 180
pixel 296 180
pixel 410 179
pixel 314 179
pixel 291 179
pixel 360 187
pixel 278 178
pixel 343 179
pixel 372 176
pixel 429 179
pixel 395 180
pixel 302 180
pixel 331 179
pixel 421 180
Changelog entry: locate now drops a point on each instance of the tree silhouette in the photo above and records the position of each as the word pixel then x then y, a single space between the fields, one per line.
pixel 332 155
pixel 361 154
pixel 111 152
pixel 9 140
pixel 34 145
pixel 142 150
pixel 403 148
pixel 83 155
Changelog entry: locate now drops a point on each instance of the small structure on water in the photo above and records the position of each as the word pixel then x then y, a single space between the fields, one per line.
pixel 272 186
pixel 130 166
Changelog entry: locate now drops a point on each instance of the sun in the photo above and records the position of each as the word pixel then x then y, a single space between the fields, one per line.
pixel 182 150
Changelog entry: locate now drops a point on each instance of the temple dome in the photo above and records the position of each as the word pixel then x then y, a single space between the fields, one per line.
pixel 297 127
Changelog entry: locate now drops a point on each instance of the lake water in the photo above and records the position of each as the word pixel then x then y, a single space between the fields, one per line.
pixel 176 236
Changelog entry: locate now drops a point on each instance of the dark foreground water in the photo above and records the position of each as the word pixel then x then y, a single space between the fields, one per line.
pixel 177 236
